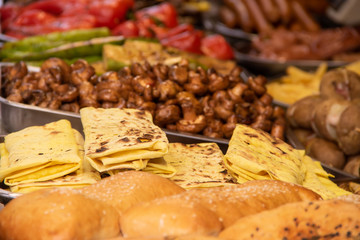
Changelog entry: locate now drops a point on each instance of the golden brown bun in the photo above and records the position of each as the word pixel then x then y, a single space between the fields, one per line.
pixel 325 219
pixel 355 198
pixel 196 237
pixel 139 238
pixel 232 203
pixel 58 214
pixel 169 217
pixel 129 188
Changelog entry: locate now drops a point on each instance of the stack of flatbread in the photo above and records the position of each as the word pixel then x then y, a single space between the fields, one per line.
pixel 122 139
pixel 254 154
pixel 44 156
pixel 198 165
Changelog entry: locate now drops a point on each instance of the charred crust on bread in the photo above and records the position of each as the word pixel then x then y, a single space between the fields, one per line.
pixel 55 132
pixel 102 149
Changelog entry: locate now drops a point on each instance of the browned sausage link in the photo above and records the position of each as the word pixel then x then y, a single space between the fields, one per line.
pixel 278 128
pixel 256 87
pixel 285 10
pixel 242 14
pixel 258 17
pixel 303 16
pixel 227 16
pixel 270 11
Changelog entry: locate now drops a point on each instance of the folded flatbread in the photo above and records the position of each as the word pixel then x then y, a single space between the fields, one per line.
pixel 160 167
pixel 156 166
pixel 84 176
pixel 198 165
pixel 39 153
pixel 72 180
pixel 255 155
pixel 121 138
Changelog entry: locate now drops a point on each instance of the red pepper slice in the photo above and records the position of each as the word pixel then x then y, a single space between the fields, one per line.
pixel 189 41
pixel 33 17
pixel 175 31
pixel 126 29
pixel 165 13
pixel 109 13
pixel 216 46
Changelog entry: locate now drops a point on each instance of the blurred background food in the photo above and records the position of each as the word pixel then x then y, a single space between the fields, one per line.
pixel 263 16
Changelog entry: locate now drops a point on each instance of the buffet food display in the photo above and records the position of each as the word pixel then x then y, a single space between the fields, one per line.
pixel 125 120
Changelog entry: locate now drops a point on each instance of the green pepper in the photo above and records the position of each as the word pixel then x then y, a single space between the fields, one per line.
pixel 51 40
pixel 92 47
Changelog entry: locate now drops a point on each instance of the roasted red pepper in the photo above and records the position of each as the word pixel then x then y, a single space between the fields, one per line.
pixel 164 13
pixel 127 29
pixel 189 41
pixel 216 46
pixel 109 13
pixel 58 15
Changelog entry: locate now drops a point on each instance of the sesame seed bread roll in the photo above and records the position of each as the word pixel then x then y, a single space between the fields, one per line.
pixel 57 213
pixel 233 202
pixel 324 219
pixel 129 188
pixel 169 217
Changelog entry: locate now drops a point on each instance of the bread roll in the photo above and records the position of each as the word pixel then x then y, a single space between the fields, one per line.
pixel 58 214
pixel 325 219
pixel 129 188
pixel 232 203
pixel 196 237
pixel 169 217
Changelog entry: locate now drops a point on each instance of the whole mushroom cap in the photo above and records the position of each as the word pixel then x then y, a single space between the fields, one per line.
pixel 348 130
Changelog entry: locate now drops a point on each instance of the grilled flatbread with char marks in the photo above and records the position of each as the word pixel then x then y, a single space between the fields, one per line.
pixel 254 155
pixel 198 165
pixel 114 137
